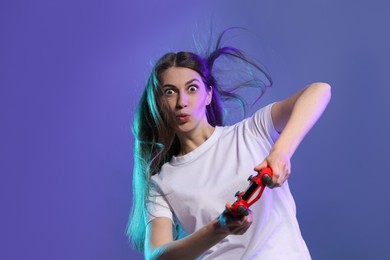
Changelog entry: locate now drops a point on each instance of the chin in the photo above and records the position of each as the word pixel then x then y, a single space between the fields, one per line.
pixel 185 128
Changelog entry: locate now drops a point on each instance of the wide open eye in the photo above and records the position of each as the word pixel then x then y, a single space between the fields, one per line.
pixel 193 88
pixel 169 92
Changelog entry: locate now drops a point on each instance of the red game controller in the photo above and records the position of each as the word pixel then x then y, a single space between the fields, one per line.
pixel 252 193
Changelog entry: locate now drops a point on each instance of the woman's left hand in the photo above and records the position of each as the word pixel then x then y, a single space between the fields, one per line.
pixel 280 164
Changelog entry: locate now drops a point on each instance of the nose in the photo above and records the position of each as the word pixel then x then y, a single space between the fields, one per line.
pixel 182 100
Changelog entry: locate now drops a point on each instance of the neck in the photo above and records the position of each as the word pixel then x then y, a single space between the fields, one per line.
pixel 190 141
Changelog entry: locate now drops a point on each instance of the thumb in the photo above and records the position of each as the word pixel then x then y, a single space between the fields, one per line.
pixel 261 166
pixel 228 206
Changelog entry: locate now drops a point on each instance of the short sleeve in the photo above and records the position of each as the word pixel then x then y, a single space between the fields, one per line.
pixel 157 205
pixel 260 124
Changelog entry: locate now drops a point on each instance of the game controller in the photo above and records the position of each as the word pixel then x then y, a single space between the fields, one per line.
pixel 253 193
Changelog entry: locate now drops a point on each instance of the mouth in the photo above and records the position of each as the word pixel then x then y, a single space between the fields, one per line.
pixel 183 118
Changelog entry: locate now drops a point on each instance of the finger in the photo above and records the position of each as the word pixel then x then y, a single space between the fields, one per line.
pixel 285 173
pixel 243 228
pixel 261 166
pixel 279 181
pixel 288 173
pixel 242 231
pixel 245 220
pixel 250 216
pixel 228 207
pixel 275 178
pixel 278 174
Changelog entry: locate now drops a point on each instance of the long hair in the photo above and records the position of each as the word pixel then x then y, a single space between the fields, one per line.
pixel 155 139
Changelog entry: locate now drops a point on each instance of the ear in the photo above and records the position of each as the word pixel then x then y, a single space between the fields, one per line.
pixel 209 96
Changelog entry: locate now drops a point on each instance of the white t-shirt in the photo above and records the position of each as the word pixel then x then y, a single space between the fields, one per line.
pixel 193 189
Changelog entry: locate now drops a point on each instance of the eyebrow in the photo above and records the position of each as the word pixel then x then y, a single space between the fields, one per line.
pixel 188 82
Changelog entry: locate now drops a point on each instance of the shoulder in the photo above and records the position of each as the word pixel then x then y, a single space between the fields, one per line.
pixel 260 124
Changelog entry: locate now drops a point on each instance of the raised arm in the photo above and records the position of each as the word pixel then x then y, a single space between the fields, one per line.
pixel 293 117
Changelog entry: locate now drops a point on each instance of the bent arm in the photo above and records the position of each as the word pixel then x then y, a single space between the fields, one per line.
pixel 160 245
pixel 159 242
pixel 295 116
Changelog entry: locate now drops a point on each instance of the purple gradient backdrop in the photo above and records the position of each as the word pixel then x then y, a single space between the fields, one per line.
pixel 70 75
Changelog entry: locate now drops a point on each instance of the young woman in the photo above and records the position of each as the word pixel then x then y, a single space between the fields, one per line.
pixel 188 166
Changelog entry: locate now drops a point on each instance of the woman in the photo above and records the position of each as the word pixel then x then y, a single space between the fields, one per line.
pixel 187 166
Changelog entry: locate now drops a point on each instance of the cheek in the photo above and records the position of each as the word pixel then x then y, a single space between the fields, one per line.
pixel 170 103
pixel 198 113
pixel 201 107
pixel 167 108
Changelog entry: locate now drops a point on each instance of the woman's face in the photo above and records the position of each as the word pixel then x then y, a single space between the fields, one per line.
pixel 187 98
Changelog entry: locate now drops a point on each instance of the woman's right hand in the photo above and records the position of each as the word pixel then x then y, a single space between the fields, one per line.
pixel 159 243
pixel 234 225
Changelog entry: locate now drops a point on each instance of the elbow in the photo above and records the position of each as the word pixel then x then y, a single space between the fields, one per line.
pixel 323 89
pixel 156 254
pixel 322 85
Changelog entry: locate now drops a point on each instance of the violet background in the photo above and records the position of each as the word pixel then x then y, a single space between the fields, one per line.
pixel 72 71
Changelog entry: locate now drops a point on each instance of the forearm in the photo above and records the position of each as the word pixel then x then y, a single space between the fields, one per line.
pixel 192 246
pixel 305 112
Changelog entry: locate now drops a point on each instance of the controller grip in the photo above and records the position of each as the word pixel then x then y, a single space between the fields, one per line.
pixel 267 180
pixel 242 210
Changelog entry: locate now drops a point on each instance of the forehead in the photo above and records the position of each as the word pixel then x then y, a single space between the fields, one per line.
pixel 178 76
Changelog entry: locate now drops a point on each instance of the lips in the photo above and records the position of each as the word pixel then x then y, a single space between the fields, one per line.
pixel 183 118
